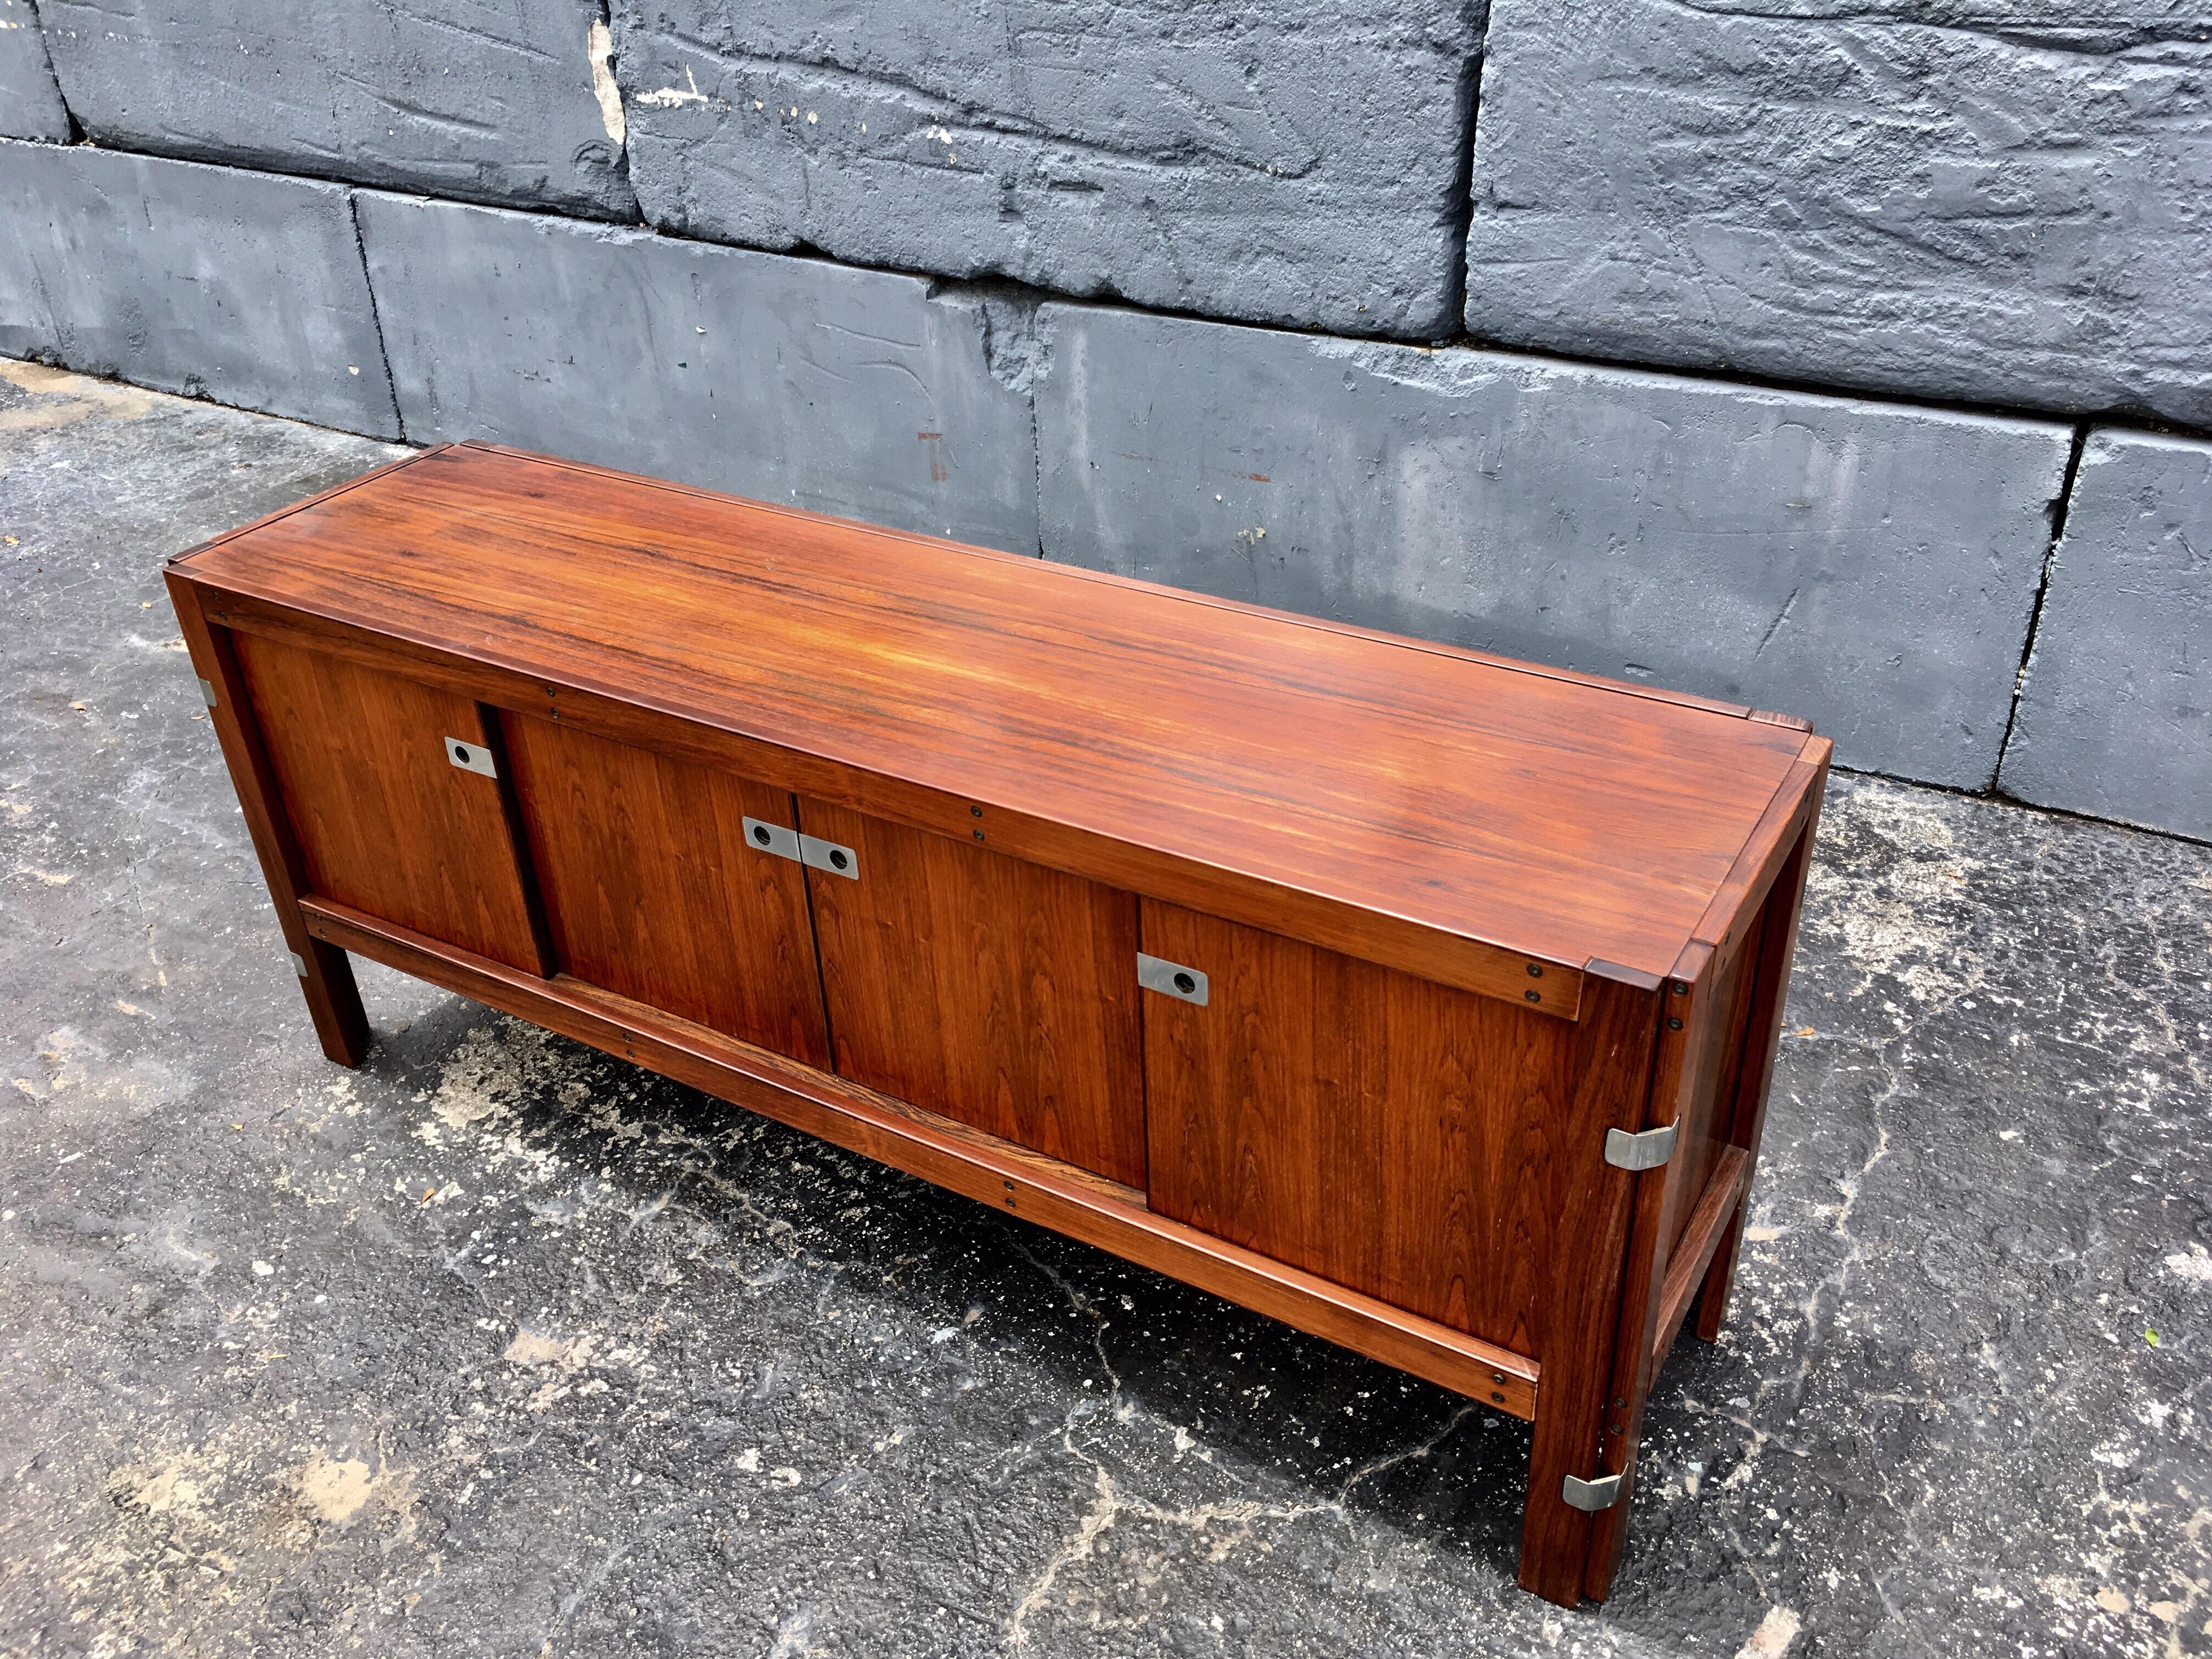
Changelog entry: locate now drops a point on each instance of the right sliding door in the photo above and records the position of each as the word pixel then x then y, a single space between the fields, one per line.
pixel 997 992
pixel 1387 1133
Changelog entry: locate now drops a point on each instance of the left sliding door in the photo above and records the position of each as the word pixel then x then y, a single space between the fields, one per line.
pixel 394 792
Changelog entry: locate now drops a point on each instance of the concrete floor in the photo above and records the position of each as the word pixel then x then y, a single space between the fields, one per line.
pixel 499 1347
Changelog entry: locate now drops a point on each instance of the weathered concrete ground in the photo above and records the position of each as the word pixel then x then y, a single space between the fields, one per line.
pixel 499 1347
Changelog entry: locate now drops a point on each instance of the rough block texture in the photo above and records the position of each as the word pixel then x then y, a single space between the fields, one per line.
pixel 486 99
pixel 242 287
pixel 30 102
pixel 1870 567
pixel 1301 163
pixel 793 381
pixel 2116 714
pixel 1981 199
pixel 498 1344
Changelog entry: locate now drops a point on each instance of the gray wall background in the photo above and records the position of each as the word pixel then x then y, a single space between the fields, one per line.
pixel 1854 360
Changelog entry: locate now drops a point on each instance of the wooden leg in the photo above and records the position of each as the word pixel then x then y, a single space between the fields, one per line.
pixel 334 1002
pixel 1778 948
pixel 1720 1278
pixel 1615 1040
pixel 326 976
pixel 1689 1007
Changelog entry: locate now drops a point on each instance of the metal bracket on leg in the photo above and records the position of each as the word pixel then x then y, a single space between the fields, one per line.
pixel 299 963
pixel 1601 1493
pixel 1647 1150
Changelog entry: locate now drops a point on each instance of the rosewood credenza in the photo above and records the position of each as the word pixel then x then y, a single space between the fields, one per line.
pixel 1425 1000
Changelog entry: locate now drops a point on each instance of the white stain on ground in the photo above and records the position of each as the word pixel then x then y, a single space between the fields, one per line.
pixel 1773 1636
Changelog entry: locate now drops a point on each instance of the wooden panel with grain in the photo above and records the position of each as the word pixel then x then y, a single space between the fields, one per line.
pixel 653 890
pixel 1001 994
pixel 1616 1044
pixel 326 976
pixel 1221 748
pixel 959 1158
pixel 386 823
pixel 1389 1133
pixel 1784 906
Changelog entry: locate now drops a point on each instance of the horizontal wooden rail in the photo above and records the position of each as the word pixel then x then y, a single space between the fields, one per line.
pixel 1058 1195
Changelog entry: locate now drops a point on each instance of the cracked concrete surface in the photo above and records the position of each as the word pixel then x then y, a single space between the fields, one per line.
pixel 501 1348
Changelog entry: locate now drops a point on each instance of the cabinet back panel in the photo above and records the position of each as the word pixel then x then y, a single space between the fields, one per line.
pixel 1387 1133
pixel 999 993
pixel 652 891
pixel 386 823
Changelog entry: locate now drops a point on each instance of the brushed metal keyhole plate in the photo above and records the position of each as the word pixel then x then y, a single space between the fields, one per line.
pixel 765 837
pixel 819 854
pixel 470 756
pixel 1171 979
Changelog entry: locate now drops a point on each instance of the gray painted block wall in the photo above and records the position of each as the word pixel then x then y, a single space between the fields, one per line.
pixel 1995 200
pixel 1870 565
pixel 487 100
pixel 1300 162
pixel 30 103
pixel 1972 200
pixel 796 380
pixel 2116 712
pixel 245 287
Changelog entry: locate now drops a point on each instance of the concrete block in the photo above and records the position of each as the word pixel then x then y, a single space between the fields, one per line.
pixel 1301 163
pixel 1870 566
pixel 797 381
pixel 489 100
pixel 1979 199
pixel 2115 711
pixel 240 287
pixel 30 102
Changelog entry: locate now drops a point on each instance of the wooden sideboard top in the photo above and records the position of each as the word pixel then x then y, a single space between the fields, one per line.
pixel 1542 812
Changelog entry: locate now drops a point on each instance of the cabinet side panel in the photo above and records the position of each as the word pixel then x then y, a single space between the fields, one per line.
pixel 1707 1115
pixel 651 891
pixel 1390 1133
pixel 385 822
pixel 996 991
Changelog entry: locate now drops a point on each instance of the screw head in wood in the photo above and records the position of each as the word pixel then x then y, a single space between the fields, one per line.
pixel 1535 971
pixel 1680 989
pixel 1674 1024
pixel 979 834
pixel 975 811
pixel 1533 996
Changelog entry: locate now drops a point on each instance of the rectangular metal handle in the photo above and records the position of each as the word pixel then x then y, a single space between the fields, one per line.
pixel 1171 979
pixel 765 837
pixel 470 756
pixel 818 855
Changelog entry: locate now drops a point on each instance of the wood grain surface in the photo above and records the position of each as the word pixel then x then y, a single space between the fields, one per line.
pixel 1590 1205
pixel 327 982
pixel 1540 814
pixel 954 1156
pixel 996 992
pixel 385 822
pixel 1386 1133
pixel 652 889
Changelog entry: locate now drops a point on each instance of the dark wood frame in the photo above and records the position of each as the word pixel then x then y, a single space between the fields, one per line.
pixel 1640 1248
